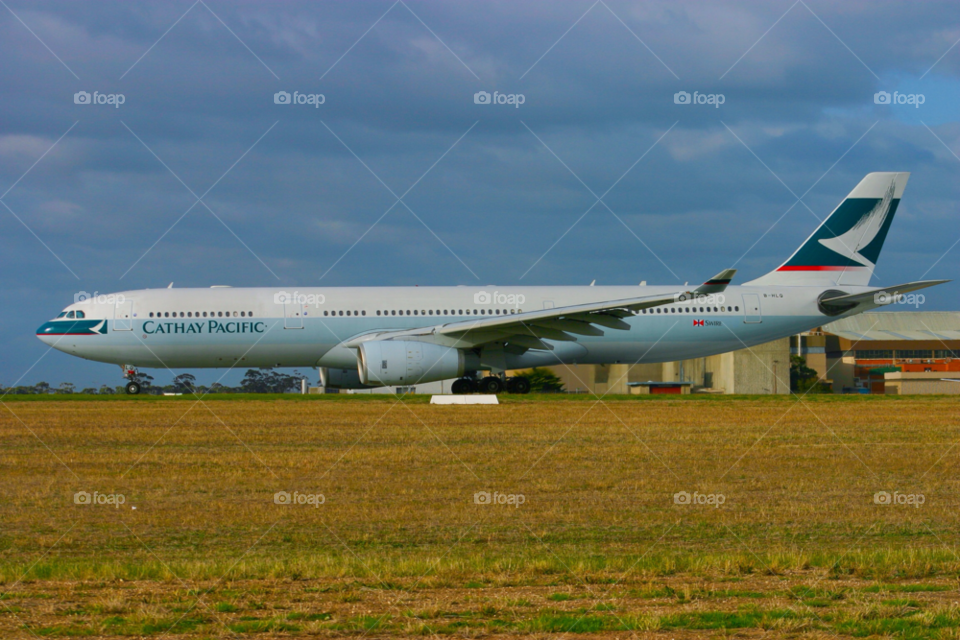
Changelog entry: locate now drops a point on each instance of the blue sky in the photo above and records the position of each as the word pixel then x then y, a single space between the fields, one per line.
pixel 105 198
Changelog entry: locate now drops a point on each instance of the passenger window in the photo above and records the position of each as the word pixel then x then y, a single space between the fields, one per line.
pixel 736 308
pixel 348 313
pixel 151 314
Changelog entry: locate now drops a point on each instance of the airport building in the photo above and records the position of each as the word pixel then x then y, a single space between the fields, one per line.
pixel 886 352
pixel 763 369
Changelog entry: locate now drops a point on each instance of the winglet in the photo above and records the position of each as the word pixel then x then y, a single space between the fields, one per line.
pixel 717 283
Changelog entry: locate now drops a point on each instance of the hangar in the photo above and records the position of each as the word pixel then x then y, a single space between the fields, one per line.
pixel 886 352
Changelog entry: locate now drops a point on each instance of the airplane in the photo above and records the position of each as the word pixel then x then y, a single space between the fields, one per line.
pixel 363 337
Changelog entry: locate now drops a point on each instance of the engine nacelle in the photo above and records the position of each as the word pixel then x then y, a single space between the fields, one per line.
pixel 407 362
pixel 341 379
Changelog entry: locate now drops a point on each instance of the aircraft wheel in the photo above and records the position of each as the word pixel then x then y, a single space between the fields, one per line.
pixel 133 388
pixel 462 387
pixel 518 385
pixel 491 384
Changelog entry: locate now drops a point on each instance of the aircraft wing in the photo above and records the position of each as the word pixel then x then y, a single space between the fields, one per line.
pixel 528 330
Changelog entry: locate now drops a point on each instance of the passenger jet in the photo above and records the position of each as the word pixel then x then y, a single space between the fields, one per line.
pixel 363 337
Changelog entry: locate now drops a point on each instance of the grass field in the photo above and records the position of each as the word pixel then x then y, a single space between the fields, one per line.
pixel 782 534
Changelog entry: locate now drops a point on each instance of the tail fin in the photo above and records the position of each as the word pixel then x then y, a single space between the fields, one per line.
pixel 845 247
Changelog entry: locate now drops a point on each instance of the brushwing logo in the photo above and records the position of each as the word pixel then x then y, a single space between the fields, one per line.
pixel 864 231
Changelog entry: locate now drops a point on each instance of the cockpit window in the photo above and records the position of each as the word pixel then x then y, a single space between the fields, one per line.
pixel 63 314
pixel 81 314
pixel 70 314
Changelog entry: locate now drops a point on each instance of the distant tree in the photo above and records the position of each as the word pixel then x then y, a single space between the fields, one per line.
pixel 542 380
pixel 802 377
pixel 253 382
pixel 66 387
pixel 90 391
pixel 41 387
pixel 267 380
pixel 216 387
pixel 184 383
pixel 105 390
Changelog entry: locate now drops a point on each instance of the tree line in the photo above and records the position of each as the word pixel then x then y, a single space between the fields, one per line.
pixel 262 380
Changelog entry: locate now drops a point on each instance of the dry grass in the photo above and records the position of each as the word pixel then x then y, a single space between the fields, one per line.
pixel 399 547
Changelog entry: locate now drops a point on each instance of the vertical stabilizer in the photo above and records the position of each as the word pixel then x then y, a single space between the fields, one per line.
pixel 845 247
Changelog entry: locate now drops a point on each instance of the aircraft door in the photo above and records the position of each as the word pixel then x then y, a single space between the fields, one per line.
pixel 751 308
pixel 123 315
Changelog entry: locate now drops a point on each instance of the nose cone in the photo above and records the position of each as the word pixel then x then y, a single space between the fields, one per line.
pixel 53 332
pixel 48 333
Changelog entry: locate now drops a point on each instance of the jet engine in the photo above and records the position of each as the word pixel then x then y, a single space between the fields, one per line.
pixel 406 362
pixel 341 379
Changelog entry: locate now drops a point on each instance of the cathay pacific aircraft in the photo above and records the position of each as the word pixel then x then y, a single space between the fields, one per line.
pixel 382 336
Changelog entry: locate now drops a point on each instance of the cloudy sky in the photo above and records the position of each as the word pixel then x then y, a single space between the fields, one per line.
pixel 399 177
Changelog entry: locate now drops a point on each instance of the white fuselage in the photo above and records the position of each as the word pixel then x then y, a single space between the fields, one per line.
pixel 253 327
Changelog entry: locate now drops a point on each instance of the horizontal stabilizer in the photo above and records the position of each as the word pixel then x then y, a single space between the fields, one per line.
pixel 836 302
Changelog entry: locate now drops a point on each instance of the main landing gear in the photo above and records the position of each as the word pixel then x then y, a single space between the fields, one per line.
pixel 490 385
pixel 130 373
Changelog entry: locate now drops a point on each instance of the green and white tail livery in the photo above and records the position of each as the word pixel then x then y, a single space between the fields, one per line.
pixel 845 247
